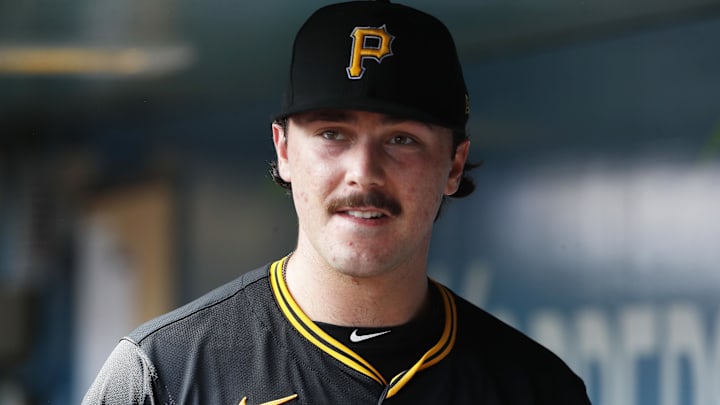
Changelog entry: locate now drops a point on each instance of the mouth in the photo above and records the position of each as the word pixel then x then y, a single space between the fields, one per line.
pixel 364 214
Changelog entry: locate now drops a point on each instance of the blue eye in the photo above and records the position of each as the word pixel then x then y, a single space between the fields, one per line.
pixel 402 140
pixel 332 135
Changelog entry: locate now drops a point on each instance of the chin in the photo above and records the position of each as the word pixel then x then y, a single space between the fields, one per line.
pixel 362 265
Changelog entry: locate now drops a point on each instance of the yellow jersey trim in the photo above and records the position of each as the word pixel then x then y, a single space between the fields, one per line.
pixel 313 333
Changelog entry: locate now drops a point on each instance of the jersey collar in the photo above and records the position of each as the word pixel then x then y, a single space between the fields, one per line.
pixel 313 333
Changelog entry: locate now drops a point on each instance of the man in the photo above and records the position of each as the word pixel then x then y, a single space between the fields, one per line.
pixel 370 141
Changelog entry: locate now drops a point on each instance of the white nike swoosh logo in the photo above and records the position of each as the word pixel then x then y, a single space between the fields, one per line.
pixel 355 338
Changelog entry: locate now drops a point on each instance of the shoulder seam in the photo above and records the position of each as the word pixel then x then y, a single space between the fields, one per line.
pixel 211 298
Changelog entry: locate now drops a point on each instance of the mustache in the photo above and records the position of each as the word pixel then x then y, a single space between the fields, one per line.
pixel 371 198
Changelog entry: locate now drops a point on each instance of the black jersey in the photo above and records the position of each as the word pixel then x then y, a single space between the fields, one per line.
pixel 249 343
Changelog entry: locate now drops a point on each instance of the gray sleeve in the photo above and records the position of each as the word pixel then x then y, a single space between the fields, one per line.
pixel 125 378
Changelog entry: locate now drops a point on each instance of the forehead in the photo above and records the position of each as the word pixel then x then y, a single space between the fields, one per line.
pixel 357 116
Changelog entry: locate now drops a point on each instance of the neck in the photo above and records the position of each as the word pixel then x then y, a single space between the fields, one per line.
pixel 327 295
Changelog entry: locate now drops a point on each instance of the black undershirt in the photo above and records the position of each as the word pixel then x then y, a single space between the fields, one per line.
pixel 399 349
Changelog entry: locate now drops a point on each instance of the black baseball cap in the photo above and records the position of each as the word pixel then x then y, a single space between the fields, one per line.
pixel 381 57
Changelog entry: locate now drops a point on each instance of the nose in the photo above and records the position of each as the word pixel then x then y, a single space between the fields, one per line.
pixel 364 165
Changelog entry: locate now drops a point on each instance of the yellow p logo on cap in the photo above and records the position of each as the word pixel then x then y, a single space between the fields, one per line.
pixel 361 49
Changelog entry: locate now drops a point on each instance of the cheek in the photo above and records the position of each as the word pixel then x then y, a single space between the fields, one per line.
pixel 424 189
pixel 427 177
pixel 306 202
pixel 312 179
pixel 301 197
pixel 306 161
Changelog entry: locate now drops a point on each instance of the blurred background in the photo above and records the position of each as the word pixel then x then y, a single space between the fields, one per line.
pixel 134 141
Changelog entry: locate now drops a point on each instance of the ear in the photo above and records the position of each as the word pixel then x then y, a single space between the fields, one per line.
pixel 280 142
pixel 456 168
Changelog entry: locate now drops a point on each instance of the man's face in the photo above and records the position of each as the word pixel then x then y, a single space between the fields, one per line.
pixel 366 186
